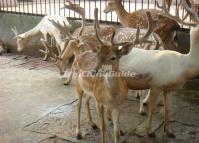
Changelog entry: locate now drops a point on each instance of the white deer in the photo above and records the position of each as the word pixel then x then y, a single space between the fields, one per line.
pixel 169 69
pixel 43 29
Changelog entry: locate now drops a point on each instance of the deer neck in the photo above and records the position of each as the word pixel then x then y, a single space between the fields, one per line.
pixel 122 14
pixel 194 51
pixel 32 33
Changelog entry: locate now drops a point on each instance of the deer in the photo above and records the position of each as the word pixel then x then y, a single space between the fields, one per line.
pixel 45 29
pixel 166 27
pixel 3 47
pixel 165 68
pixel 121 35
pixel 108 91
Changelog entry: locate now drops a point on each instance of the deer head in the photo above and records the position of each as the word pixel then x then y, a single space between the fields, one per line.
pixel 22 40
pixel 63 58
pixel 112 6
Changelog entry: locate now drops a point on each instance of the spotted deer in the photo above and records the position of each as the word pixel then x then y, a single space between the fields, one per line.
pixel 108 91
pixel 121 35
pixel 166 27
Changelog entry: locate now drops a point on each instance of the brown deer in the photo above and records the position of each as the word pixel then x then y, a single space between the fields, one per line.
pixel 108 91
pixel 166 27
pixel 121 35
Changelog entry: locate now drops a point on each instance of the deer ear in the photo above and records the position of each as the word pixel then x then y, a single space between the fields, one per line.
pixel 19 37
pixel 87 60
pixel 125 49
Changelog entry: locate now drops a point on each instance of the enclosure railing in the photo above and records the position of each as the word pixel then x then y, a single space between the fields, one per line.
pixel 52 7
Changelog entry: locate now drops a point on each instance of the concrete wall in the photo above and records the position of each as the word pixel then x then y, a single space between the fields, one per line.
pixel 23 23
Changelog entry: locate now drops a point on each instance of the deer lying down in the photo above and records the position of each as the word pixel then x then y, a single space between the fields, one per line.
pixel 166 68
pixel 108 91
pixel 45 29
pixel 3 47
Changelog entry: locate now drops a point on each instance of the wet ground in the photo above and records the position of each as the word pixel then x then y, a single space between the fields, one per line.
pixel 35 107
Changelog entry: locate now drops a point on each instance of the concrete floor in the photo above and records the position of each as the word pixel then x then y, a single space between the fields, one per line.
pixel 35 107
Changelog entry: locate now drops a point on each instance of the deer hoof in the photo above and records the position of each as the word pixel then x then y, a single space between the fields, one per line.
pixel 170 135
pixel 67 82
pixel 152 135
pixel 79 136
pixel 142 113
pixel 122 133
pixel 94 127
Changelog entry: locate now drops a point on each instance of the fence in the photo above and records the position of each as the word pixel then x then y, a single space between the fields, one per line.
pixel 52 7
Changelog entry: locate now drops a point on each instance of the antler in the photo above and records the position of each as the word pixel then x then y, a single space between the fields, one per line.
pixel 96 27
pixel 177 17
pixel 14 30
pixel 63 29
pixel 151 26
pixel 190 10
pixel 50 49
pixel 79 10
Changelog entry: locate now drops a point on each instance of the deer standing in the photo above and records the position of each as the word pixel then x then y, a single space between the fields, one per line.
pixel 165 68
pixel 122 35
pixel 108 91
pixel 166 27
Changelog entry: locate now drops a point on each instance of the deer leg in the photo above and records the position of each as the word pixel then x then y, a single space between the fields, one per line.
pixel 145 100
pixel 79 104
pixel 69 79
pixel 109 114
pixel 100 110
pixel 166 115
pixel 90 120
pixel 46 38
pixel 141 111
pixel 152 106
pixel 115 116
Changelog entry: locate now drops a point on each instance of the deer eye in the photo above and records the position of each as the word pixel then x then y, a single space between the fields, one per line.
pixel 113 58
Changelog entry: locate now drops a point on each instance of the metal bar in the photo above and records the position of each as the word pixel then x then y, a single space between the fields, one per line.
pixel 45 7
pixel 32 7
pixel 27 6
pixel 89 9
pixel 23 6
pixel 36 7
pixel 54 7
pixel 49 7
pixel 135 4
pixel 59 8
pixel 142 4
pixel 11 5
pixel 7 5
pixel 41 7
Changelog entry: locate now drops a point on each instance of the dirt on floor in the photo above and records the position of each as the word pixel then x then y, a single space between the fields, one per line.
pixel 35 107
